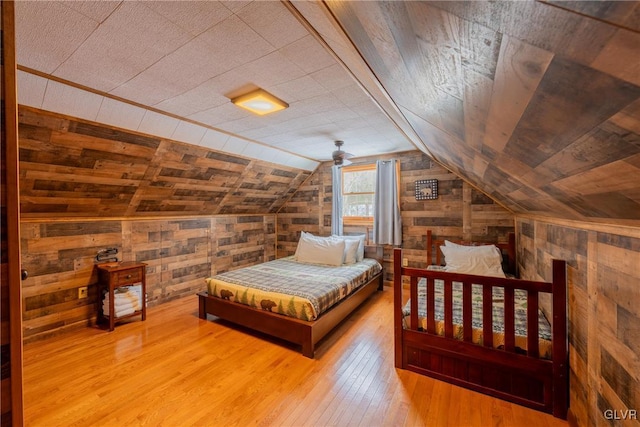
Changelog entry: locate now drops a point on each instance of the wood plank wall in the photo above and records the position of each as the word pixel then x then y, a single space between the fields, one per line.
pixel 180 253
pixel 75 168
pixel 459 212
pixel 604 317
pixel 187 211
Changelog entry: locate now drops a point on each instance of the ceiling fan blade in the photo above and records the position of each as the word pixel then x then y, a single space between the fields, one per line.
pixel 341 157
pixel 340 153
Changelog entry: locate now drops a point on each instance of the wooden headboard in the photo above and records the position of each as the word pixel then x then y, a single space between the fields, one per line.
pixel 508 250
pixel 374 251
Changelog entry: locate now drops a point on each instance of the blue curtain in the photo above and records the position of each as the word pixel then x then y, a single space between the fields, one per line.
pixel 336 205
pixel 387 222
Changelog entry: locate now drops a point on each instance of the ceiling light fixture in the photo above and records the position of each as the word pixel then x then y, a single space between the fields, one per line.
pixel 260 102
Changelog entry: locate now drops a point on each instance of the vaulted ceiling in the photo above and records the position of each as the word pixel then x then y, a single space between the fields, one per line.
pixel 535 103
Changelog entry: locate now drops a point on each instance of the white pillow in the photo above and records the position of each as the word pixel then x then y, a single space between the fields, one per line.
pixel 485 260
pixel 350 251
pixel 360 239
pixel 351 248
pixel 480 249
pixel 320 251
pixel 307 236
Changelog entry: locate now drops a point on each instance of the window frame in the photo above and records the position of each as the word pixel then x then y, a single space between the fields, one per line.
pixel 357 220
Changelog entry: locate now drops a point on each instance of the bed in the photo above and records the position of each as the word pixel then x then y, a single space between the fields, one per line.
pixel 486 333
pixel 260 297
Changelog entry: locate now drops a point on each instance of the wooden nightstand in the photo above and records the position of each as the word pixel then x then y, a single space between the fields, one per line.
pixel 115 275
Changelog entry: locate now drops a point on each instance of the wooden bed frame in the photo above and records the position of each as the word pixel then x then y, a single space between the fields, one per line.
pixel 505 373
pixel 303 333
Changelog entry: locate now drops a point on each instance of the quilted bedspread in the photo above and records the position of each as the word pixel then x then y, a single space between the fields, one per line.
pixel 544 329
pixel 291 288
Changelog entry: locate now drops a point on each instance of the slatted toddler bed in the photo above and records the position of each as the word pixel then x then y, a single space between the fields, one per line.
pixel 300 298
pixel 483 332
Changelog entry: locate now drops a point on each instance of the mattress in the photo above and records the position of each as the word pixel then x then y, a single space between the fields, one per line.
pixel 291 288
pixel 520 297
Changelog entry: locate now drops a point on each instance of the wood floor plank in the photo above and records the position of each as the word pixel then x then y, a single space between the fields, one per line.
pixel 175 369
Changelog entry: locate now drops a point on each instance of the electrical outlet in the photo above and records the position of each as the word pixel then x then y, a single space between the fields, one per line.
pixel 405 262
pixel 82 292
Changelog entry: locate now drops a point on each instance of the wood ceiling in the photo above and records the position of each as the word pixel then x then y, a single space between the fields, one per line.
pixel 535 103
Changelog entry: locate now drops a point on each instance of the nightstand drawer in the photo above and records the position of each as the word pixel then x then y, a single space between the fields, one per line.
pixel 128 276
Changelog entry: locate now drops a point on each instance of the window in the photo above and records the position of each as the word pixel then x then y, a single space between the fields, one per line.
pixel 358 191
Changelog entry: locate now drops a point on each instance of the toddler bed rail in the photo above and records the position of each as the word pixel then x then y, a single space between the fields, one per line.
pixel 448 351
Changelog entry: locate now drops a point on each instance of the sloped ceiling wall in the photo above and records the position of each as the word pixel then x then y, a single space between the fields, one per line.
pixel 74 168
pixel 537 104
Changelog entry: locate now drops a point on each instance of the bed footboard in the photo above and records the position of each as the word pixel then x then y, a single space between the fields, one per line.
pixel 509 372
pixel 306 334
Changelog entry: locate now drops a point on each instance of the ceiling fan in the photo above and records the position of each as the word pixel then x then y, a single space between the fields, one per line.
pixel 341 157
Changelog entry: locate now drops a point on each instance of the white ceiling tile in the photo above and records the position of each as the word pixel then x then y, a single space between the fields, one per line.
pixel 245 124
pixel 306 164
pixel 297 89
pixel 60 31
pixel 118 113
pixel 369 110
pixel 276 156
pixel 158 124
pixel 270 152
pixel 235 145
pixel 188 132
pixel 129 41
pixel 339 114
pixel 203 97
pixel 268 71
pixel 220 114
pixel 301 163
pixel 236 5
pixel 71 101
pixel 333 77
pixel 308 54
pixel 272 156
pixel 260 133
pixel 213 139
pixel 192 16
pixel 31 89
pixel 315 151
pixel 170 78
pixel 318 104
pixel 287 160
pixel 269 18
pixel 176 73
pixel 96 10
pixel 253 150
pixel 310 124
pixel 352 96
pixel 235 42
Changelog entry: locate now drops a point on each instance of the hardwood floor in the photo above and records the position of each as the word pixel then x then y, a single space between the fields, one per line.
pixel 177 370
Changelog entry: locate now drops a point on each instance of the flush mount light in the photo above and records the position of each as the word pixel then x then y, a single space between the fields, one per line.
pixel 260 102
